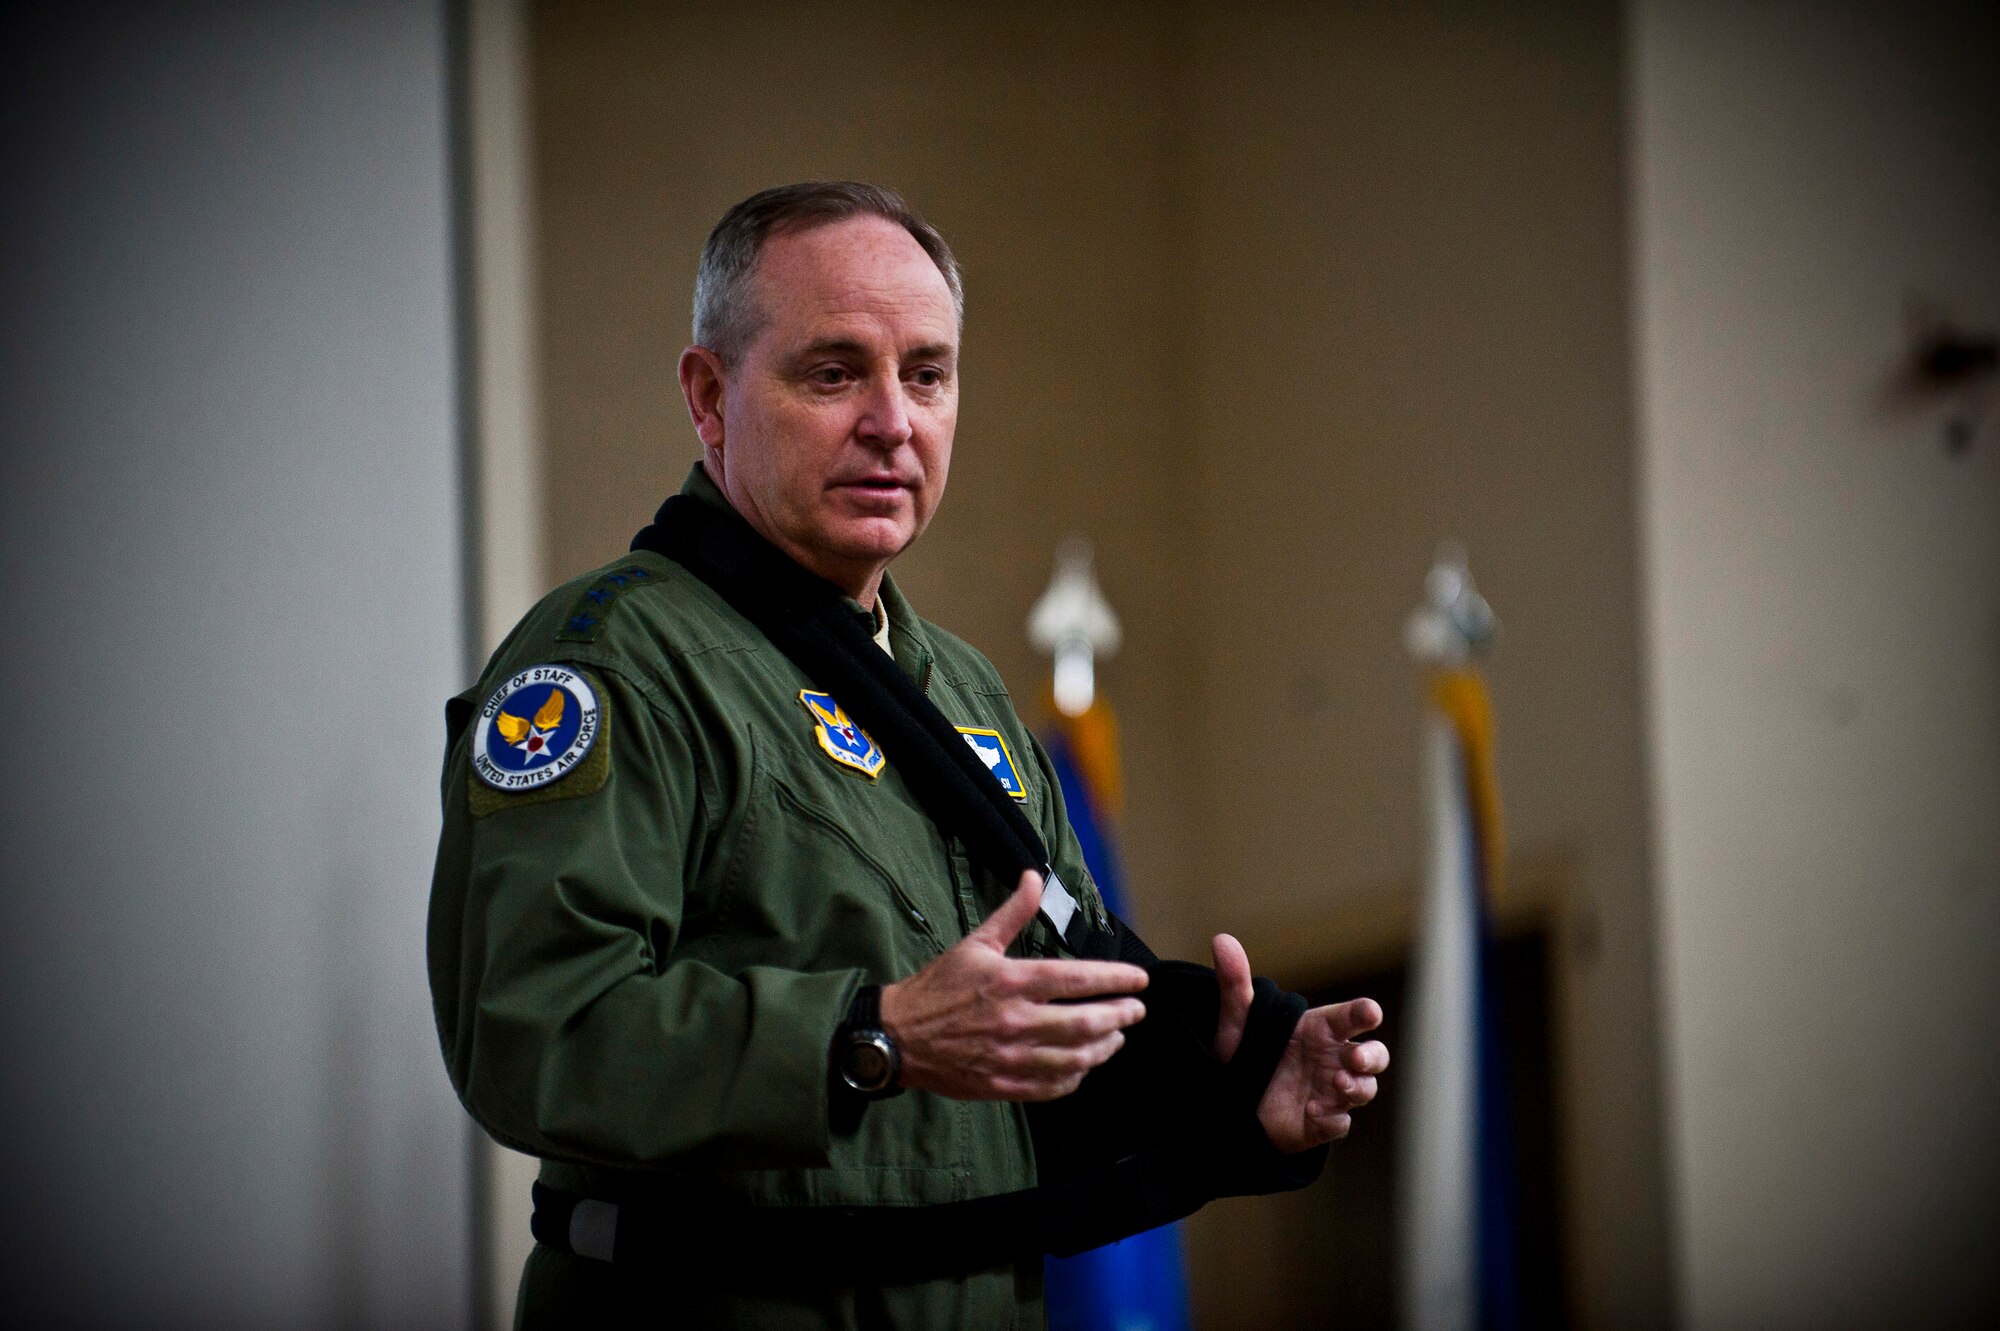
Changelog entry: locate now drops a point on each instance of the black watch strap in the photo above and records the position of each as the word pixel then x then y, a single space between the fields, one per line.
pixel 865 1060
pixel 865 1012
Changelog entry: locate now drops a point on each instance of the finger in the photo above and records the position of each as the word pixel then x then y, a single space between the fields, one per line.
pixel 1036 1088
pixel 1232 975
pixel 1043 980
pixel 1371 1057
pixel 1071 1024
pixel 1328 1120
pixel 1052 1069
pixel 1101 1051
pixel 1098 1052
pixel 1056 1061
pixel 1005 924
pixel 1348 1020
pixel 1357 1092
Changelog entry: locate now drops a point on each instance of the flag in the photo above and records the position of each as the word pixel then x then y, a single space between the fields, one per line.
pixel 1460 1239
pixel 1136 1284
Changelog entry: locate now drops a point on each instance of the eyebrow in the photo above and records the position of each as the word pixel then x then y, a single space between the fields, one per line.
pixel 828 346
pixel 847 346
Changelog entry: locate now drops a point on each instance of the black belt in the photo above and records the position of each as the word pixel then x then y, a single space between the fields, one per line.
pixel 705 1237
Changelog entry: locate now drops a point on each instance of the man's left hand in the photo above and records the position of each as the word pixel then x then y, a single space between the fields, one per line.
pixel 1323 1076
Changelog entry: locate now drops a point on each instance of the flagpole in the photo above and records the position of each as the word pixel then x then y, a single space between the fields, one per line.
pixel 1438 1183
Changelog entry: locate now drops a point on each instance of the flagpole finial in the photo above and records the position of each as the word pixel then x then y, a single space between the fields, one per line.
pixel 1454 624
pixel 1074 623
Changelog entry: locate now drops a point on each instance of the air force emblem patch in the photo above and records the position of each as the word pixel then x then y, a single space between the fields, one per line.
pixel 844 742
pixel 536 728
pixel 992 751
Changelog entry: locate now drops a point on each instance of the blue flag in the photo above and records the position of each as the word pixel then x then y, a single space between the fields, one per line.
pixel 1136 1284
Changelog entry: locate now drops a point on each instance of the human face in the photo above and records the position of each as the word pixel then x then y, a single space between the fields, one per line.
pixel 832 434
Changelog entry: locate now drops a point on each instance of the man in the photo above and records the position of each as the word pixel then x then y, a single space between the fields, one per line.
pixel 764 983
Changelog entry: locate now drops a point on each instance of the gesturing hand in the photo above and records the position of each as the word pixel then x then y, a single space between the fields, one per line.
pixel 1323 1075
pixel 977 1024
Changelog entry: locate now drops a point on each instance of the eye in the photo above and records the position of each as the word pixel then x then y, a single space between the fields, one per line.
pixel 829 376
pixel 927 376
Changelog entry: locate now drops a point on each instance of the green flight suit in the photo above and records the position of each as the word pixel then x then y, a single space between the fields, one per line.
pixel 638 968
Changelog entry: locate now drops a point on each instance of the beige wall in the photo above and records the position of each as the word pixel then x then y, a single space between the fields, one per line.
pixel 1823 587
pixel 1267 304
pixel 1408 313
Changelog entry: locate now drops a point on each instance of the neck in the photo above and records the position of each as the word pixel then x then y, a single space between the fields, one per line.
pixel 863 582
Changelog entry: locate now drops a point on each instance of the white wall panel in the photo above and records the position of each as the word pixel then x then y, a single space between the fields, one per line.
pixel 232 572
pixel 1823 578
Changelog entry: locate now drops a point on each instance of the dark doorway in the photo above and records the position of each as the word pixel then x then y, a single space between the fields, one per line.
pixel 1338 1259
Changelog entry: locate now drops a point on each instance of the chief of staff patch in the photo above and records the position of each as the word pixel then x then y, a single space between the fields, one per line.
pixel 535 728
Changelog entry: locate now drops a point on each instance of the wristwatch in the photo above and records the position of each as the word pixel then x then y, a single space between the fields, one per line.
pixel 863 1053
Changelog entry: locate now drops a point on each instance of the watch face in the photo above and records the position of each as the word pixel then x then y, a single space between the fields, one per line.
pixel 868 1064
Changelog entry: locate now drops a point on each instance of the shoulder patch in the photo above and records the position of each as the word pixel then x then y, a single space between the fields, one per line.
pixel 586 617
pixel 539 736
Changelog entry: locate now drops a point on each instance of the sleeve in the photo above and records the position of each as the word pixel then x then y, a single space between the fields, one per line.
pixel 571 1028
pixel 1164 1096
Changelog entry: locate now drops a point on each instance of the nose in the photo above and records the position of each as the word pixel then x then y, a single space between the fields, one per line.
pixel 885 416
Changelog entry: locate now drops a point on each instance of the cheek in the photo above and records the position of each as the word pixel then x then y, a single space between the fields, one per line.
pixel 937 457
pixel 805 448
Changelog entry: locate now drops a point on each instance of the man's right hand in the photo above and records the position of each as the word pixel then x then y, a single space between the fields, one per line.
pixel 977 1024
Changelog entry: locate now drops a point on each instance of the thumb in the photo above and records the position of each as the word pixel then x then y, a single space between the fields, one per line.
pixel 1004 924
pixel 1232 977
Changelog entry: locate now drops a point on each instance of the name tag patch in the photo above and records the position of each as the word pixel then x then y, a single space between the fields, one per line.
pixel 843 741
pixel 992 751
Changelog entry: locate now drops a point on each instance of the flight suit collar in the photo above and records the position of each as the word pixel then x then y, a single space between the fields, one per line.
pixel 906 634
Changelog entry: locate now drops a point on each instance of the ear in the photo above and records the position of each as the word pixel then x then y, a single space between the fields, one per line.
pixel 702 386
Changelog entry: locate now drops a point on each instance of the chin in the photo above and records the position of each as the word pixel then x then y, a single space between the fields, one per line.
pixel 870 542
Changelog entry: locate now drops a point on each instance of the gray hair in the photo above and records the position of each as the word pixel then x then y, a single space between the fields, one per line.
pixel 725 313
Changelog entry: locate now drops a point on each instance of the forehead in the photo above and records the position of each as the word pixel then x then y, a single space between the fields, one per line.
pixel 861 276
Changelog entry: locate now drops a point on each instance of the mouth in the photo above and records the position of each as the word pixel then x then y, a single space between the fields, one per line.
pixel 873 486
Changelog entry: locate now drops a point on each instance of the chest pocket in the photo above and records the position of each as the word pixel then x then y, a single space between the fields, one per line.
pixel 828 869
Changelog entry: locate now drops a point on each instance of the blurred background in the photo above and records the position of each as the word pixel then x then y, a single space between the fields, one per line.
pixel 336 334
